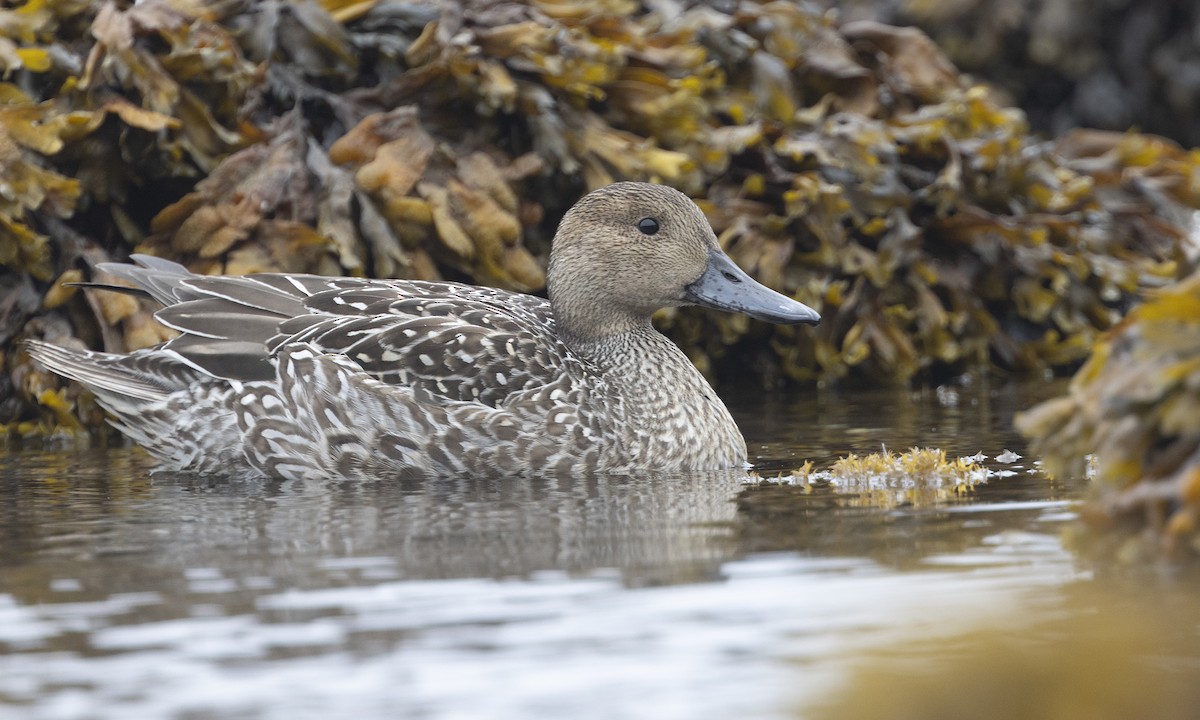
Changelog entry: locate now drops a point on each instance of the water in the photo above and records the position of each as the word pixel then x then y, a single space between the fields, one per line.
pixel 126 595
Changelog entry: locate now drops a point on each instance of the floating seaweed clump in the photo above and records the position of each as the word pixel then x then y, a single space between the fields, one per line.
pixel 850 166
pixel 918 477
pixel 1133 413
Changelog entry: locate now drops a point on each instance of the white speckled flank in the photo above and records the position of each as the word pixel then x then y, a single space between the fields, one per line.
pixel 298 376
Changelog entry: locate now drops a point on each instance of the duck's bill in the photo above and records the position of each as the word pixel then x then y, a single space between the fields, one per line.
pixel 726 286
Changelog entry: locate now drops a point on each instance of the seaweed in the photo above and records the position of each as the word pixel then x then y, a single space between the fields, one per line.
pixel 1131 419
pixel 919 477
pixel 848 165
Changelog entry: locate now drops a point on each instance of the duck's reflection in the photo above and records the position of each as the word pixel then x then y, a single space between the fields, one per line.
pixel 98 517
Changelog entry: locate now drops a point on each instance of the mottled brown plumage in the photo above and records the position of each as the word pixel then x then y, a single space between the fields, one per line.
pixel 298 376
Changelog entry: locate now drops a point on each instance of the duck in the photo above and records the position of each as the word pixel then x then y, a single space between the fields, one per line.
pixel 295 376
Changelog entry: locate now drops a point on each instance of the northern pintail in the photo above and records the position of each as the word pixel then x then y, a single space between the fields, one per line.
pixel 300 376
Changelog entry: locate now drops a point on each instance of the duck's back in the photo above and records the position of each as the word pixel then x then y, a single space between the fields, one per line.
pixel 299 375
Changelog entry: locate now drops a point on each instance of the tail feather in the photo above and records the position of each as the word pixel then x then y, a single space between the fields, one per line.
pixel 158 401
pixel 96 371
pixel 161 279
pixel 121 382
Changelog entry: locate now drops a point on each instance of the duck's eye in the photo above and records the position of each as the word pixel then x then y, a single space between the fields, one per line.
pixel 648 226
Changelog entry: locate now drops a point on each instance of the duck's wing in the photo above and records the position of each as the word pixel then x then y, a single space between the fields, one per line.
pixel 455 342
pixel 224 321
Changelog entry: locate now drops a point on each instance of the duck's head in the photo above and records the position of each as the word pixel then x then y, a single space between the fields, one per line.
pixel 626 250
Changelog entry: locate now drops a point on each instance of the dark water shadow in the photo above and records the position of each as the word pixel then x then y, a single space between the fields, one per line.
pixel 962 418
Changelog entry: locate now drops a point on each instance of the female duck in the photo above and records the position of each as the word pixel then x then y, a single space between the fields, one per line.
pixel 299 376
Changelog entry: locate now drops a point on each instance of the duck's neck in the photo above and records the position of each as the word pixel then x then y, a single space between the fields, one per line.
pixel 597 327
pixel 681 421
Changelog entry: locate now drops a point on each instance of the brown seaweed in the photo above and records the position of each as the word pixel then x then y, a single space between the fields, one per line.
pixel 850 166
pixel 1132 418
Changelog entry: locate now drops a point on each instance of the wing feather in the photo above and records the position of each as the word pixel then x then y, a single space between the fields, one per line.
pixel 454 342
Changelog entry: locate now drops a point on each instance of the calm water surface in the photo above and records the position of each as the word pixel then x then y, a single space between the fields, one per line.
pixel 126 595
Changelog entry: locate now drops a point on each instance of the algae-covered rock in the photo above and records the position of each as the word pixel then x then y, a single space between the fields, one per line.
pixel 1067 63
pixel 1133 414
pixel 850 166
pixel 1079 652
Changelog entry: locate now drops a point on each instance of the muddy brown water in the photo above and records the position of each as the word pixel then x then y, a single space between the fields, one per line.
pixel 130 595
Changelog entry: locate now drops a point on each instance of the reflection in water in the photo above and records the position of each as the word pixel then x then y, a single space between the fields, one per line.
pixel 127 595
pixel 90 508
pixel 826 521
